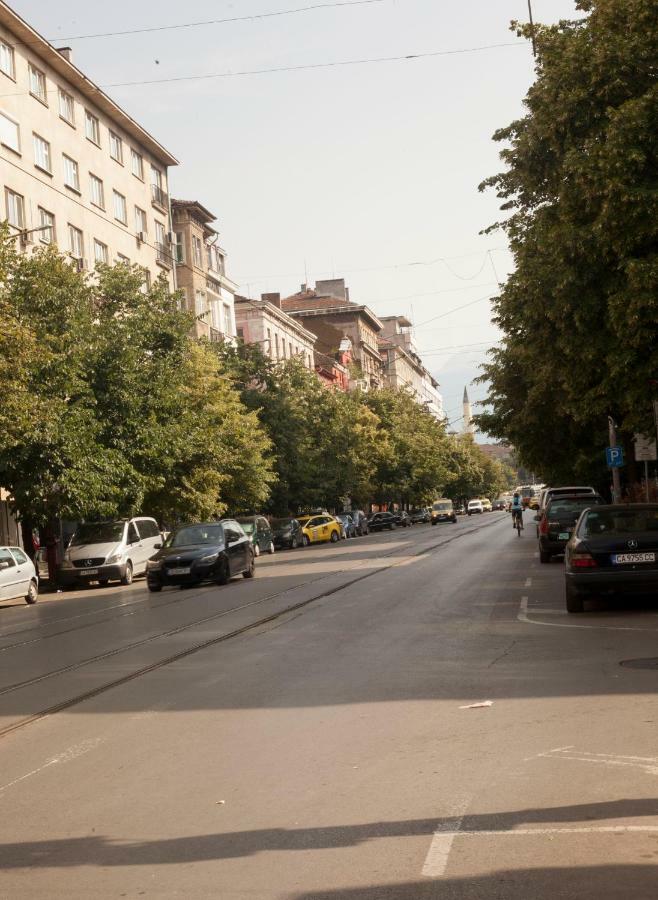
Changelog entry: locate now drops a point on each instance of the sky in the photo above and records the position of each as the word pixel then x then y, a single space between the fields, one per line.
pixel 368 172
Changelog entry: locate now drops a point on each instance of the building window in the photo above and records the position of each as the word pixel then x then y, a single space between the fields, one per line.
pixel 47 223
pixel 140 221
pixel 7 60
pixel 66 107
pixel 97 191
pixel 159 234
pixel 10 133
pixel 227 319
pixel 100 252
pixel 92 128
pixel 76 245
pixel 276 345
pixel 123 260
pixel 269 342
pixel 120 208
pixel 15 209
pixel 42 154
pixel 240 331
pixel 180 247
pixel 37 83
pixel 71 175
pixel 196 245
pixel 158 194
pixel 116 147
pixel 200 303
pixel 137 165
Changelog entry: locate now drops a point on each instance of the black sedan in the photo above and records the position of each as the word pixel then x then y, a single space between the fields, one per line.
pixel 558 520
pixel 613 549
pixel 287 533
pixel 208 551
pixel 379 521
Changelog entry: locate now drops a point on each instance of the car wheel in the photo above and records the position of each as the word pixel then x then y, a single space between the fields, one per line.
pixel 306 540
pixel 270 549
pixel 575 601
pixel 256 550
pixel 32 594
pixel 249 573
pixel 154 588
pixel 334 537
pixel 127 577
pixel 223 572
pixel 544 556
pixel 293 544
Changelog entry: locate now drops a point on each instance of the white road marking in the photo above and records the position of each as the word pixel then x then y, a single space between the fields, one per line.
pixel 524 832
pixel 72 753
pixel 528 582
pixel 522 616
pixel 436 861
pixel 648 764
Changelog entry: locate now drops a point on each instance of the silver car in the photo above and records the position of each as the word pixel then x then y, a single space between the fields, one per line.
pixel 110 551
pixel 18 577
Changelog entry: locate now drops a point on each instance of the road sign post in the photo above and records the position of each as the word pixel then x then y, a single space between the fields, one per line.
pixel 646 451
pixel 615 456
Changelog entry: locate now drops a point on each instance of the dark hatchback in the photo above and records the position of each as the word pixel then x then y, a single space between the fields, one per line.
pixel 207 551
pixel 379 521
pixel 614 549
pixel 287 533
pixel 558 520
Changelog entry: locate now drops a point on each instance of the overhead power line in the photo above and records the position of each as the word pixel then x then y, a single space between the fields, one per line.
pixel 453 310
pixel 308 66
pixel 226 21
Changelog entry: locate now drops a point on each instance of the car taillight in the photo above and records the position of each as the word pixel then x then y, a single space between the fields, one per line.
pixel 582 561
pixel 543 525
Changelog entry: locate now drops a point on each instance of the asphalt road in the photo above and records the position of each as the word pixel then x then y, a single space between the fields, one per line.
pixel 302 736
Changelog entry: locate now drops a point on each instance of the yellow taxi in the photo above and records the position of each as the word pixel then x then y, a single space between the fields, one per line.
pixel 319 528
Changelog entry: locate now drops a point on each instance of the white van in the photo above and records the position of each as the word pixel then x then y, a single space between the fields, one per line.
pixel 110 551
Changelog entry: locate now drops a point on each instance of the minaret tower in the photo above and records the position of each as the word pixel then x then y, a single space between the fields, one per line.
pixel 469 427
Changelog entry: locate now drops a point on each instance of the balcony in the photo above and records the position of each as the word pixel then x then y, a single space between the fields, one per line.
pixel 163 255
pixel 159 198
pixel 216 335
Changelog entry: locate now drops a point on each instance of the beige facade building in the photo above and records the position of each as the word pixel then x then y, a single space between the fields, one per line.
pixel 280 336
pixel 75 169
pixel 403 367
pixel 201 271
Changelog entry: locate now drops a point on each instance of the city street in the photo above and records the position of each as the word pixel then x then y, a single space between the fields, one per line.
pixel 307 735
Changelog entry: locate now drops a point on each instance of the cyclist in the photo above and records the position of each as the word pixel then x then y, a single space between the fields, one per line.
pixel 517 510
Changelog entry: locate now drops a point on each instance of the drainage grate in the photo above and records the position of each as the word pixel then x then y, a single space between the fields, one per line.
pixel 649 663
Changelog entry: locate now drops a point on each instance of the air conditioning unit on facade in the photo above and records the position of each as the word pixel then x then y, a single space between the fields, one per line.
pixel 170 237
pixel 141 236
pixel 81 264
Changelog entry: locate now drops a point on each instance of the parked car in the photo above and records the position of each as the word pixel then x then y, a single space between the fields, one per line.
pixel 348 524
pixel 109 551
pixel 614 549
pixel 318 529
pixel 486 505
pixel 207 551
pixel 474 506
pixel 379 521
pixel 557 522
pixel 402 518
pixel 287 533
pixel 499 504
pixel 443 511
pixel 258 529
pixel 460 509
pixel 546 494
pixel 419 516
pixel 18 577
pixel 360 522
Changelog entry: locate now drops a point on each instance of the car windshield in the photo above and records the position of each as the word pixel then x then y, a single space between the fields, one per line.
pixel 439 507
pixel 191 535
pixel 247 527
pixel 620 521
pixel 98 533
pixel 280 523
pixel 570 507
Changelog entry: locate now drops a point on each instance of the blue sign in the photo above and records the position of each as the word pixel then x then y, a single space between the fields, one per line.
pixel 614 456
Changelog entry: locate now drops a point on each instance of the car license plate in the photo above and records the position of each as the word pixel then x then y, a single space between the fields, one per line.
pixel 89 572
pixel 181 570
pixel 564 536
pixel 620 559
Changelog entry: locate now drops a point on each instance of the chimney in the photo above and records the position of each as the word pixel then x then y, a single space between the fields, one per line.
pixel 274 299
pixel 67 53
pixel 332 287
pixel 304 288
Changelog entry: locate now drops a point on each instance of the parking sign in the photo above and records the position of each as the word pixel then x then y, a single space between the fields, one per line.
pixel 614 457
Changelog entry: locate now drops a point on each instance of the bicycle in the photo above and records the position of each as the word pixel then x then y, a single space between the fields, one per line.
pixel 517 521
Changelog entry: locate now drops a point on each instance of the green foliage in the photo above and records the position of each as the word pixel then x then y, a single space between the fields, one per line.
pixel 580 312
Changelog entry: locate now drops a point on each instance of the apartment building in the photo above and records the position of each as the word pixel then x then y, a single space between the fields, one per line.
pixel 75 169
pixel 280 336
pixel 403 366
pixel 201 271
pixel 329 313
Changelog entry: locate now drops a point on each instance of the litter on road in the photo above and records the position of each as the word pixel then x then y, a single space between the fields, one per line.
pixel 478 705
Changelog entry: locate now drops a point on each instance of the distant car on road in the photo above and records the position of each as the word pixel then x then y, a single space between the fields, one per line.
pixel 320 528
pixel 402 519
pixel 443 511
pixel 348 524
pixel 258 529
pixel 557 522
pixel 379 521
pixel 475 507
pixel 419 516
pixel 205 551
pixel 614 549
pixel 18 577
pixel 486 505
pixel 499 504
pixel 287 533
pixel 360 522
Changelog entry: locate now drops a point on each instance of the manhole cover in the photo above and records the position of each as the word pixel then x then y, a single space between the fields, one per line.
pixel 650 663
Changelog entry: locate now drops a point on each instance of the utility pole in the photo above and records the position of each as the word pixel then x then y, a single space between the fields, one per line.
pixel 532 26
pixel 616 482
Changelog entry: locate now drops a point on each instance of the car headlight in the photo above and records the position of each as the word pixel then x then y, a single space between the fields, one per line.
pixel 210 558
pixel 67 564
pixel 153 564
pixel 115 558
